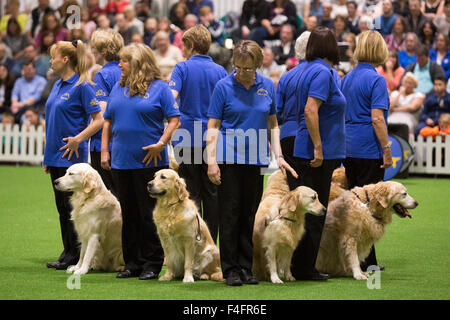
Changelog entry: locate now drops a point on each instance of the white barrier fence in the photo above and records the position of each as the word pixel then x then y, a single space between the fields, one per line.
pixel 27 146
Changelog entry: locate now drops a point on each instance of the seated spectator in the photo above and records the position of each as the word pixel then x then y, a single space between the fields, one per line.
pixel 442 53
pixel 15 39
pixel 340 9
pixel 401 8
pixel 166 55
pixel 147 9
pixel 406 104
pixel 385 22
pixel 12 11
pixel 31 54
pixel 48 39
pixel 427 34
pixel 442 129
pixel 436 103
pixel 51 23
pixel 425 70
pixel 408 56
pixel 326 20
pixel 284 10
pixel 365 23
pixel 87 24
pixel 442 21
pixel 125 29
pixel 350 38
pixel 340 28
pixel 150 29
pixel 353 17
pixel 396 40
pixel 7 120
pixel 94 9
pixel 189 21
pixel 415 18
pixel 311 23
pixel 27 90
pixel 286 49
pixel 214 26
pixel 269 66
pixel 254 21
pixel 6 87
pixel 116 6
pixel 103 21
pixel 130 15
pixel 178 12
pixel 392 71
pixel 432 8
pixel 137 38
pixel 36 17
pixel 165 25
pixel 315 8
pixel 194 6
pixel 33 119
pixel 4 58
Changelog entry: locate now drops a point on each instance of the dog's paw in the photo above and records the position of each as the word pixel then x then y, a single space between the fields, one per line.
pixel 165 278
pixel 72 268
pixel 187 279
pixel 360 276
pixel 289 277
pixel 81 271
pixel 275 279
pixel 204 276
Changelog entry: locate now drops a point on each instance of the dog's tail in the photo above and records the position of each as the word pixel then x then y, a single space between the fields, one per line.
pixel 217 276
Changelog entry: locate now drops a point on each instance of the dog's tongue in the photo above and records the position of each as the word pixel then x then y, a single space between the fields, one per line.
pixel 407 213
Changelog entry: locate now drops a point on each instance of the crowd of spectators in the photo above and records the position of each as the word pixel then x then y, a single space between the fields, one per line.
pixel 416 32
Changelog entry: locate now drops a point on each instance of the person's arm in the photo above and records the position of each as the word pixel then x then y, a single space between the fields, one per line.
pixel 380 128
pixel 413 106
pixel 106 138
pixel 312 124
pixel 90 130
pixel 212 136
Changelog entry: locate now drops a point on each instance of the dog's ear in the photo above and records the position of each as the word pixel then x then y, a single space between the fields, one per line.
pixel 90 182
pixel 382 193
pixel 290 202
pixel 180 187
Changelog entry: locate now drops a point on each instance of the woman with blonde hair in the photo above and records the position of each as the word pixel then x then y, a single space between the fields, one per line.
pixel 134 123
pixel 68 110
pixel 368 151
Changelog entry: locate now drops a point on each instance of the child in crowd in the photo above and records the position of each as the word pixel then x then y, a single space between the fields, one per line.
pixel 442 129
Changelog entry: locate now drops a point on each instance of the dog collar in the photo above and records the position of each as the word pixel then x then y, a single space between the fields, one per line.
pixel 285 218
pixel 367 204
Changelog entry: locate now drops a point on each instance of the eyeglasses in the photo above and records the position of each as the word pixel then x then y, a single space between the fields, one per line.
pixel 244 69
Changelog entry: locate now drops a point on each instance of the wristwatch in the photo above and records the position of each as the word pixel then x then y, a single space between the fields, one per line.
pixel 161 143
pixel 388 145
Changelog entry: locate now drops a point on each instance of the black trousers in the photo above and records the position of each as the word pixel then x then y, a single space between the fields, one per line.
pixel 361 172
pixel 71 251
pixel 201 189
pixel 142 250
pixel 105 174
pixel 287 148
pixel 318 179
pixel 240 192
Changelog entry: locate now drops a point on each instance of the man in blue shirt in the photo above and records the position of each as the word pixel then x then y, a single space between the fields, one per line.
pixel 31 54
pixel 194 6
pixel 27 90
pixel 385 22
pixel 192 83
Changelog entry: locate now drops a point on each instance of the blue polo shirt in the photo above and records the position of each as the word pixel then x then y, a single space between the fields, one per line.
pixel 286 101
pixel 104 80
pixel 244 115
pixel 138 122
pixel 322 82
pixel 445 63
pixel 67 113
pixel 195 80
pixel 364 90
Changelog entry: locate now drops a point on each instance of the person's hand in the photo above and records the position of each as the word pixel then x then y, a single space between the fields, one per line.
pixel 387 158
pixel 402 90
pixel 283 165
pixel 70 147
pixel 389 65
pixel 245 32
pixel 105 160
pixel 153 153
pixel 271 30
pixel 429 122
pixel 214 173
pixel 318 158
pixel 46 169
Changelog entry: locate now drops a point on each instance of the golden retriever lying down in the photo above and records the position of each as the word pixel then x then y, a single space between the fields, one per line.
pixel 185 238
pixel 279 226
pixel 97 220
pixel 355 221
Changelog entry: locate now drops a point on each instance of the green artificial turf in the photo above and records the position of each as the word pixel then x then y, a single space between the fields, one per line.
pixel 416 253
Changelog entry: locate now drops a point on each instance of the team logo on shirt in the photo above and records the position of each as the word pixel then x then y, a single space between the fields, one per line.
pixel 65 96
pixel 262 92
pixel 93 102
pixel 175 105
pixel 146 95
pixel 100 92
pixel 172 83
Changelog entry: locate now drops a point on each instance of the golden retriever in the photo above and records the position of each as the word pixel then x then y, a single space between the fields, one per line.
pixel 188 246
pixel 338 184
pixel 355 221
pixel 279 226
pixel 97 220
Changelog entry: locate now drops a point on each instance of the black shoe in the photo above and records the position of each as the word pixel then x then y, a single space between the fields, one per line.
pixel 52 264
pixel 314 277
pixel 247 277
pixel 127 274
pixel 58 265
pixel 233 279
pixel 148 275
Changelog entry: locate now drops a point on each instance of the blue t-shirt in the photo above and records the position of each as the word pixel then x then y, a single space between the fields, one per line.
pixel 137 122
pixel 244 115
pixel 364 90
pixel 195 80
pixel 104 80
pixel 385 24
pixel 445 63
pixel 286 101
pixel 67 113
pixel 322 82
pixel 404 59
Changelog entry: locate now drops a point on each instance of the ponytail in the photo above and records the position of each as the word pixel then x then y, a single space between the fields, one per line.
pixel 82 63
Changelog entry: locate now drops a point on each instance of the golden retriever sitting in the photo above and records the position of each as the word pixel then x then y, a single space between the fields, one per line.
pixel 279 226
pixel 355 221
pixel 185 238
pixel 338 184
pixel 97 220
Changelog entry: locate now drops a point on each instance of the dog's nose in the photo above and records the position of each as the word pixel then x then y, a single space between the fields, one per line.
pixel 149 186
pixel 416 203
pixel 55 183
pixel 323 211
